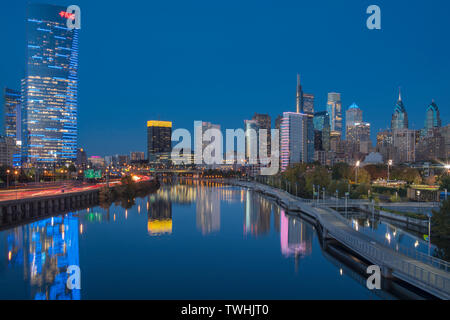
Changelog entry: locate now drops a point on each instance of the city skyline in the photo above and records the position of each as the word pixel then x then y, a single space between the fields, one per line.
pixel 270 91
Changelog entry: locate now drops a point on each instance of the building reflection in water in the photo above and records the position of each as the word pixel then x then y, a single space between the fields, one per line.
pixel 208 210
pixel 159 216
pixel 295 237
pixel 257 214
pixel 44 250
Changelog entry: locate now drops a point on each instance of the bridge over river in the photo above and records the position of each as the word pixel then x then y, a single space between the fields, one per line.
pixel 427 273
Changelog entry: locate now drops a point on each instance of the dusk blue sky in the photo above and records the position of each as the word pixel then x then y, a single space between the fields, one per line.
pixel 222 61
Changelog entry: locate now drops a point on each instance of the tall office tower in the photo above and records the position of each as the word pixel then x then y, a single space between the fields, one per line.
pixel 12 115
pixel 404 143
pixel 304 101
pixel 431 146
pixel 251 141
pixel 321 122
pixel 299 100
pixel 445 133
pixel 399 117
pixel 353 115
pixel 264 122
pixel 159 140
pixel 308 103
pixel 49 90
pixel 334 108
pixel 432 117
pixel 385 145
pixel 297 139
pixel 358 137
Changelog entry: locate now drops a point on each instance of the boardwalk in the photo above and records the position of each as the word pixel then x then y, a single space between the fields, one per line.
pixel 429 274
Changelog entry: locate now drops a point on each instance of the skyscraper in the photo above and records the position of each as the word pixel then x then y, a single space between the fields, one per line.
pixel 159 140
pixel 50 87
pixel 358 137
pixel 334 108
pixel 399 117
pixel 305 101
pixel 308 103
pixel 297 139
pixel 353 115
pixel 264 122
pixel 251 141
pixel 432 117
pixel 321 123
pixel 12 115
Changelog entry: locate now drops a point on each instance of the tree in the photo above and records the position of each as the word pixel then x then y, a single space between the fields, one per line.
pixel 342 186
pixel 445 182
pixel 361 191
pixel 319 176
pixel 341 171
pixel 376 171
pixel 440 221
pixel 363 175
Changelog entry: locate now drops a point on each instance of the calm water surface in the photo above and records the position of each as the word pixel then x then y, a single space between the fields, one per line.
pixel 185 242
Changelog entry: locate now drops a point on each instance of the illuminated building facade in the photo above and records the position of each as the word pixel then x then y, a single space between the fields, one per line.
pixel 358 136
pixel 159 143
pixel 399 117
pixel 353 116
pixel 12 114
pixel 297 139
pixel 321 122
pixel 432 117
pixel 334 108
pixel 49 90
pixel 264 122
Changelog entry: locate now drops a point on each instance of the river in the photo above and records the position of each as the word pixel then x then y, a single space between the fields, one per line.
pixel 187 241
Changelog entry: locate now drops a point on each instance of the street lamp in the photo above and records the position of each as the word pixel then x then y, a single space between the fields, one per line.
pixel 7 178
pixel 356 171
pixel 389 165
pixel 16 173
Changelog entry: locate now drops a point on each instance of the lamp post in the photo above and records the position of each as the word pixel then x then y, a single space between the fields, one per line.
pixel 16 173
pixel 7 178
pixel 389 165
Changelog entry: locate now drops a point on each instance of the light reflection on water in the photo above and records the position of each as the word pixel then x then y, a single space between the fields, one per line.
pixel 185 242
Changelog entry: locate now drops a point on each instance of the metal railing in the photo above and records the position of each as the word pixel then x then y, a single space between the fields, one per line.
pixel 386 256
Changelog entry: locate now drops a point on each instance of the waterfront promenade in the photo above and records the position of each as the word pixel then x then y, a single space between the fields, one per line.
pixel 424 272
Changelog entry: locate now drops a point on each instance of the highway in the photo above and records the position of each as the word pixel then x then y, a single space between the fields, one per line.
pixel 49 189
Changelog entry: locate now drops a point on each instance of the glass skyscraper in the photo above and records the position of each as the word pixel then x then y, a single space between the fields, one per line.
pixel 297 139
pixel 399 117
pixel 432 117
pixel 159 140
pixel 12 114
pixel 49 90
pixel 334 108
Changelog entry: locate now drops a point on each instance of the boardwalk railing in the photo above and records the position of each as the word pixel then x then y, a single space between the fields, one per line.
pixel 431 275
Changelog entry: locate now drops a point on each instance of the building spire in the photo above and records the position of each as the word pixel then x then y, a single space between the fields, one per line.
pixel 299 93
pixel 399 93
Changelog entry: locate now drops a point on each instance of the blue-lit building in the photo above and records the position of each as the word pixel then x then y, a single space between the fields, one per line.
pixel 399 117
pixel 432 117
pixel 12 121
pixel 49 90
